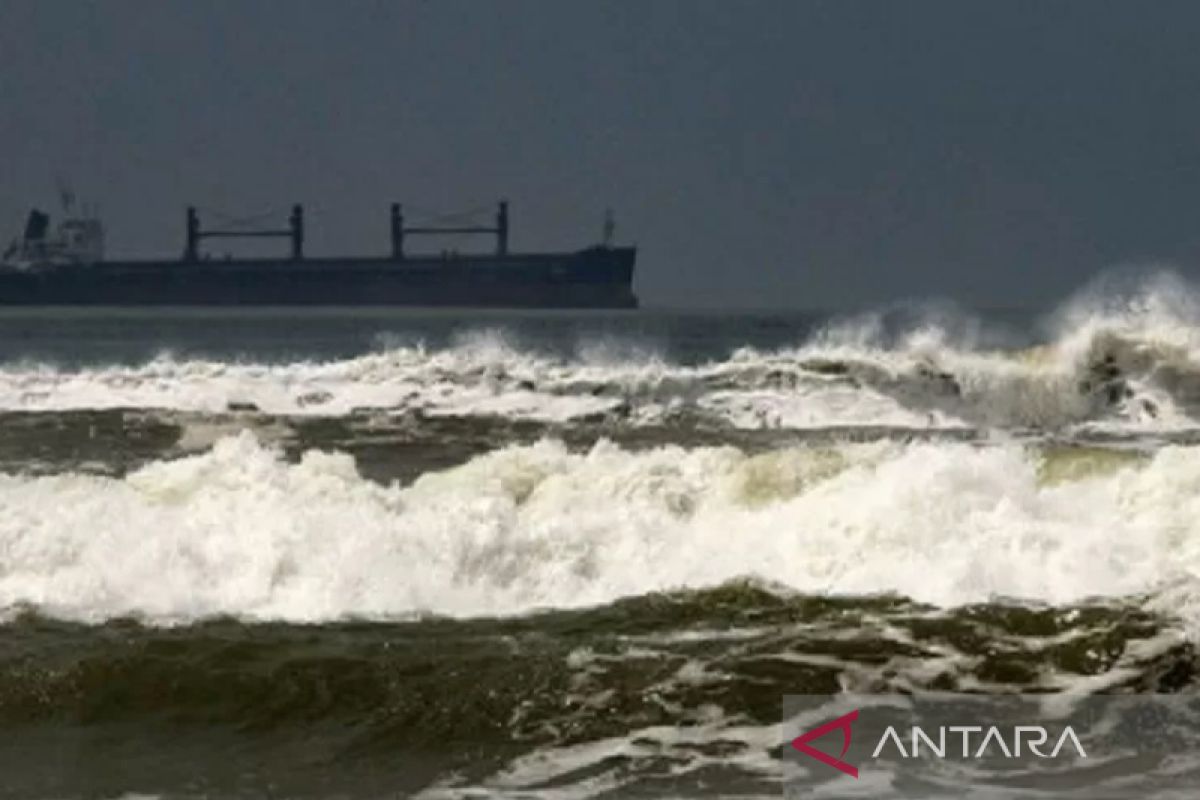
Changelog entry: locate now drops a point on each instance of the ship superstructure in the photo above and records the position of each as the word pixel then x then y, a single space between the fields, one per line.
pixel 78 239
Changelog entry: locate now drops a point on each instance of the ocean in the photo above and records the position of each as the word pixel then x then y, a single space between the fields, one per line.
pixel 448 554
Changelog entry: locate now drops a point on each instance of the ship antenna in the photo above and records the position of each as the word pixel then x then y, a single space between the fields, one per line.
pixel 610 227
pixel 66 195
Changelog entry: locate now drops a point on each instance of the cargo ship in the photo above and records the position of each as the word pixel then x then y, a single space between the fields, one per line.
pixel 67 266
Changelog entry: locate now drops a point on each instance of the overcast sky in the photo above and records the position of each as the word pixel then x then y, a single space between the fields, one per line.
pixel 785 154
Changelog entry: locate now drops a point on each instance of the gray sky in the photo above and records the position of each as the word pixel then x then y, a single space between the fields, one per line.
pixel 784 154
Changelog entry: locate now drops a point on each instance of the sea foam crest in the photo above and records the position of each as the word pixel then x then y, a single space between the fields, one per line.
pixel 1116 360
pixel 240 531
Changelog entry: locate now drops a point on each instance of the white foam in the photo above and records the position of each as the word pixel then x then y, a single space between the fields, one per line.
pixel 464 380
pixel 239 531
pixel 932 374
pixel 600 768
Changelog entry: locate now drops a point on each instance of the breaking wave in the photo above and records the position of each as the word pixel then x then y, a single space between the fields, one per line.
pixel 240 531
pixel 1125 360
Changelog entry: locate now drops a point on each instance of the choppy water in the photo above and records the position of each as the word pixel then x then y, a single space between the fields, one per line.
pixel 386 553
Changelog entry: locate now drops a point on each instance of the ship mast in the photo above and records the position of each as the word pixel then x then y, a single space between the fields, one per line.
pixel 400 231
pixel 294 232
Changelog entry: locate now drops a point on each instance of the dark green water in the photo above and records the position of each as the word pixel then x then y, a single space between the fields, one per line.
pixel 373 709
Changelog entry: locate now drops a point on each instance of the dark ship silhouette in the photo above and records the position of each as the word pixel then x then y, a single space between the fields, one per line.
pixel 66 266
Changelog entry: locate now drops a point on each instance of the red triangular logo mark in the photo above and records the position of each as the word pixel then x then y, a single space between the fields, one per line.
pixel 843 724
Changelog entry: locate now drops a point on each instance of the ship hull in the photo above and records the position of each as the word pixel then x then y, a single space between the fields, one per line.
pixel 593 278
